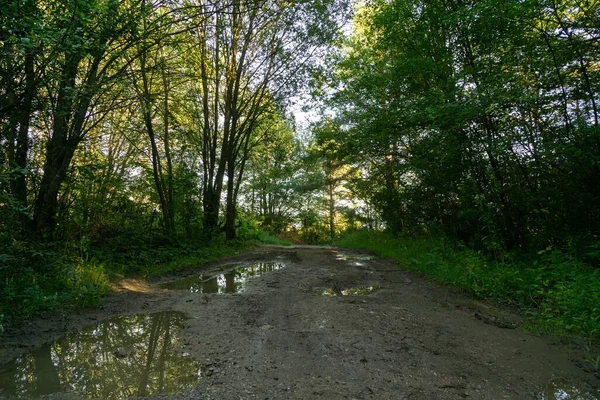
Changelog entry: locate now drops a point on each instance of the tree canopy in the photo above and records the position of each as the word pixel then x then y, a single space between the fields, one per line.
pixel 477 119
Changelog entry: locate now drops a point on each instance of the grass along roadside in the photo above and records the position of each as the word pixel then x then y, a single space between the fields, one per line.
pixel 68 279
pixel 558 294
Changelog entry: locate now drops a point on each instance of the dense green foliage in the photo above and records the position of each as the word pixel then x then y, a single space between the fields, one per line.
pixel 478 122
pixel 559 294
pixel 477 119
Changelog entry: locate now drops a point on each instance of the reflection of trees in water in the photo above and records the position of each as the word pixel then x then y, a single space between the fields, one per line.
pixel 559 389
pixel 85 363
pixel 233 281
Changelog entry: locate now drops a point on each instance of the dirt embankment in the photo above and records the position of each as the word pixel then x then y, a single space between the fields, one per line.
pixel 332 324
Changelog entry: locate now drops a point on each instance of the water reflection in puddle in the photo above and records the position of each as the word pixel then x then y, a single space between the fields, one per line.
pixel 360 290
pixel 561 389
pixel 353 291
pixel 354 257
pixel 233 281
pixel 324 291
pixel 136 355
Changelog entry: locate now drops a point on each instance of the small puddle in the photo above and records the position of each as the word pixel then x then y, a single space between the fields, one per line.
pixel 134 355
pixel 353 291
pixel 360 290
pixel 324 291
pixel 561 389
pixel 233 281
pixel 354 257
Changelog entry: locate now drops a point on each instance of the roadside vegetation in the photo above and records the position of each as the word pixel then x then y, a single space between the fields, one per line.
pixel 51 278
pixel 557 293
pixel 477 122
pixel 139 137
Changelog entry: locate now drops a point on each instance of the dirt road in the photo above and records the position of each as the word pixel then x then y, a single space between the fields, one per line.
pixel 325 324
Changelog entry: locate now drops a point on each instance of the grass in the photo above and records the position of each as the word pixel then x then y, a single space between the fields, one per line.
pixel 39 279
pixel 199 257
pixel 268 238
pixel 64 282
pixel 559 294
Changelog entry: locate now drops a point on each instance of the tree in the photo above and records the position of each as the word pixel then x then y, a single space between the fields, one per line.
pixel 329 153
pixel 250 55
pixel 271 185
pixel 90 39
pixel 20 84
pixel 475 118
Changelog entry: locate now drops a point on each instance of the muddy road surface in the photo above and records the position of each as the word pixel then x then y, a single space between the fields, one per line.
pixel 291 323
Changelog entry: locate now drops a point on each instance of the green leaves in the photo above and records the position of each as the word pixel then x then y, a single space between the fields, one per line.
pixel 464 113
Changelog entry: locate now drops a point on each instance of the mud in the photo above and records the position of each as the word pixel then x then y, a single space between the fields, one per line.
pixel 278 339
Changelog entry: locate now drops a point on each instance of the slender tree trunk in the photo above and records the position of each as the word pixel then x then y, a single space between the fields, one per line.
pixel 59 154
pixel 157 171
pixel 67 132
pixel 166 142
pixel 230 208
pixel 211 203
pixel 18 183
pixel 331 187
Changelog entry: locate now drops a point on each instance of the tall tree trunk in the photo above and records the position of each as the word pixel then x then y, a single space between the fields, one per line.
pixel 331 188
pixel 67 132
pixel 164 196
pixel 18 183
pixel 59 154
pixel 167 146
pixel 211 201
pixel 230 208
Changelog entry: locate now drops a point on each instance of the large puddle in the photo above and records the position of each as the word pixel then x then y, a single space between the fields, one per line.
pixel 233 281
pixel 561 389
pixel 136 355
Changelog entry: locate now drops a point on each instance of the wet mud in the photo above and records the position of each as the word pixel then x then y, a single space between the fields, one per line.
pixel 291 323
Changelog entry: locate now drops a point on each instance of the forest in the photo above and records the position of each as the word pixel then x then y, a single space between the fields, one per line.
pixel 460 138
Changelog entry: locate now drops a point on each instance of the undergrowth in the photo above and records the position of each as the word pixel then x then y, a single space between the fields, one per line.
pixel 38 277
pixel 559 294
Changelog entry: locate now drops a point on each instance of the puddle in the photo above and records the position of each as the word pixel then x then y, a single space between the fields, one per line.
pixel 354 257
pixel 233 281
pixel 561 389
pixel 324 291
pixel 360 290
pixel 353 291
pixel 135 355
